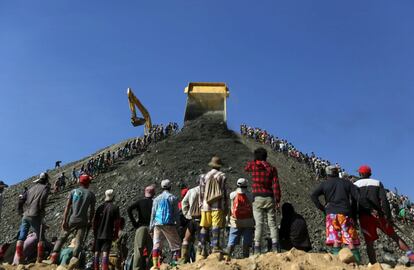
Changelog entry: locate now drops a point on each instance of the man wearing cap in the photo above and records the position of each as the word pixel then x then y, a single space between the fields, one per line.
pixel 213 210
pixel 340 198
pixel 76 218
pixel 106 226
pixel 164 223
pixel 2 187
pixel 142 241
pixel 375 213
pixel 241 219
pixel 266 192
pixel 34 204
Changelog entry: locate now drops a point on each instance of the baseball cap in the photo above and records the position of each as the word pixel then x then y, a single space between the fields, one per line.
pixel 84 179
pixel 42 177
pixel 242 182
pixel 109 195
pixel 166 183
pixel 364 169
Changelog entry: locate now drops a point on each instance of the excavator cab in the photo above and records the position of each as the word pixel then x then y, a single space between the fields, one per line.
pixel 135 120
pixel 205 97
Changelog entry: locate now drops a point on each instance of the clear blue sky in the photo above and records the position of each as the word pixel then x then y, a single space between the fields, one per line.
pixel 334 77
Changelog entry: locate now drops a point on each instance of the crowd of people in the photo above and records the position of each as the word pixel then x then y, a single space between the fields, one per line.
pixel 103 161
pixel 317 164
pixel 195 224
pixel 199 217
pixel 401 207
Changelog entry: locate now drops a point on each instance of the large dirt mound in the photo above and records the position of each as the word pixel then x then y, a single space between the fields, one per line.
pixel 181 158
pixel 292 260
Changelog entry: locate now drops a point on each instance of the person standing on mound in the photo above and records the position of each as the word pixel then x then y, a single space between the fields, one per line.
pixel 375 213
pixel 340 226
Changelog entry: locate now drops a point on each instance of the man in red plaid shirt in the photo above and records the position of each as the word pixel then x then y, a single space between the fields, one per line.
pixel 266 192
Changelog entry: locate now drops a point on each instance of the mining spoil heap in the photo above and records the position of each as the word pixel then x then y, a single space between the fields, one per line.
pixel 181 158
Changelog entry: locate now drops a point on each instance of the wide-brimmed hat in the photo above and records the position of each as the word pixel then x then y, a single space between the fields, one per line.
pixel 215 162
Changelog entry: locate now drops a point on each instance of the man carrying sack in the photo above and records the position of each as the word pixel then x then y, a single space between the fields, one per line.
pixel 213 203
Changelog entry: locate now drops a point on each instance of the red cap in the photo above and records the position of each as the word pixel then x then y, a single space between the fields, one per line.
pixel 364 169
pixel 85 179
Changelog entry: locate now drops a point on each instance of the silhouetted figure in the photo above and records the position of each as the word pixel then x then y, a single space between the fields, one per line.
pixel 293 230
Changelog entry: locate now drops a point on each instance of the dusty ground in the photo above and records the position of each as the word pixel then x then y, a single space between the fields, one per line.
pixel 292 260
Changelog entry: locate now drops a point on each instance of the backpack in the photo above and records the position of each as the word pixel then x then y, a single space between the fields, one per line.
pixel 213 191
pixel 163 214
pixel 242 208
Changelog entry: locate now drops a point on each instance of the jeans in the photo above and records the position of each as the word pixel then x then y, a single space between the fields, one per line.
pixel 236 233
pixel 35 223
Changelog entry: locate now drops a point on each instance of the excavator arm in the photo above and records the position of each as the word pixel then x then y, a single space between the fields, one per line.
pixel 135 120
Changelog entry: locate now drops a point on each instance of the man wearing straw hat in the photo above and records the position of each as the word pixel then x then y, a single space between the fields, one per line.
pixel 213 202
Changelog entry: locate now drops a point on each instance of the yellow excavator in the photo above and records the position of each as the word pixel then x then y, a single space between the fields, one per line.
pixel 135 120
pixel 202 98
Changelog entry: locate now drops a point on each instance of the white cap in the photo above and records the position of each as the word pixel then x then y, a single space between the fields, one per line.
pixel 242 182
pixel 109 195
pixel 165 183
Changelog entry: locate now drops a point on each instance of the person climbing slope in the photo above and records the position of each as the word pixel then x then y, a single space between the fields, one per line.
pixel 34 205
pixel 375 213
pixel 77 218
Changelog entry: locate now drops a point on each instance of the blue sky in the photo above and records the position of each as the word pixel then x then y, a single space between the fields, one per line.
pixel 334 77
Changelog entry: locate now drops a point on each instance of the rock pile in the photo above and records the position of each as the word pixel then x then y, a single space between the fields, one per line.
pixel 181 158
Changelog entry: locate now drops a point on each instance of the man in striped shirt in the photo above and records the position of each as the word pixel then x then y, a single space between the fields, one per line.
pixel 212 212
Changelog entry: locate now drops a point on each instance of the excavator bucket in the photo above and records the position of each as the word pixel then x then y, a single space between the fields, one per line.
pixel 203 97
